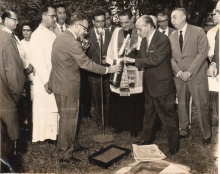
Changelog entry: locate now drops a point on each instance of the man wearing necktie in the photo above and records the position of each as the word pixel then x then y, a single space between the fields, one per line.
pixel 162 20
pixel 97 36
pixel 158 84
pixel 108 21
pixel 10 21
pixel 189 46
pixel 60 25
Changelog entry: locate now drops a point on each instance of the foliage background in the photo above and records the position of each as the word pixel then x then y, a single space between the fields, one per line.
pixel 29 9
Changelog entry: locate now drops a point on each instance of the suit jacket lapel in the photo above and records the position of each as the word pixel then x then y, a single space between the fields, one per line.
pixel 105 46
pixel 152 43
pixel 176 40
pixel 93 39
pixel 186 36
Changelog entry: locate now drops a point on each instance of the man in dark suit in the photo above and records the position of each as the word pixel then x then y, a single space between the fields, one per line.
pixel 158 84
pixel 11 83
pixel 67 59
pixel 108 21
pixel 163 20
pixel 93 52
pixel 189 46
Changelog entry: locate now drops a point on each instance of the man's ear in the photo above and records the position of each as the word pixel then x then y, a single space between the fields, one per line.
pixel 133 18
pixel 93 22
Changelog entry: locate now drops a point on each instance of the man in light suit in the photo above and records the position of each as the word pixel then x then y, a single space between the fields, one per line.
pixel 67 59
pixel 162 20
pixel 189 46
pixel 93 52
pixel 60 25
pixel 11 83
pixel 158 84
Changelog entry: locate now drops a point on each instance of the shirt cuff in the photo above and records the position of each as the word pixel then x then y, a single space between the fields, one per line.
pixel 106 71
pixel 211 63
pixel 179 73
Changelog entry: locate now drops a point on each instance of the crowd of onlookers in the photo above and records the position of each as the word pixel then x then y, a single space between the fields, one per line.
pixel 135 77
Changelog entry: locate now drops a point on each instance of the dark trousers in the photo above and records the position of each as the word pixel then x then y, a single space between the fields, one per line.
pixel 200 96
pixel 97 99
pixel 163 107
pixel 68 109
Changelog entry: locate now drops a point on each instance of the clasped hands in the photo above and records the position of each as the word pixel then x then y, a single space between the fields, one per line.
pixel 184 75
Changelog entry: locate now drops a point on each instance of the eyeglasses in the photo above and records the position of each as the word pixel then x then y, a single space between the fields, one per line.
pixel 162 21
pixel 213 14
pixel 85 28
pixel 13 19
pixel 52 16
pixel 26 30
pixel 217 11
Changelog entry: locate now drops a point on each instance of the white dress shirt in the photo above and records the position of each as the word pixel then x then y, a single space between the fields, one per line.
pixel 166 31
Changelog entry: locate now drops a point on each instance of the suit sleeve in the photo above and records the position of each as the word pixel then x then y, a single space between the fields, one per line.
pixel 157 57
pixel 14 75
pixel 83 61
pixel 203 48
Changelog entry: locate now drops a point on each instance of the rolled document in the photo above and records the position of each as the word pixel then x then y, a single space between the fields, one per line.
pixel 123 45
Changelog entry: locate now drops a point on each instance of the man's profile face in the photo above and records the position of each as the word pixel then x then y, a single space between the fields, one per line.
pixel 50 17
pixel 81 29
pixel 99 21
pixel 178 19
pixel 125 22
pixel 61 15
pixel 162 22
pixel 142 28
pixel 11 22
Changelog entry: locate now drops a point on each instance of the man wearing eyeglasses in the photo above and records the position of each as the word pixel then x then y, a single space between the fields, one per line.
pixel 10 21
pixel 162 20
pixel 93 52
pixel 67 59
pixel 45 112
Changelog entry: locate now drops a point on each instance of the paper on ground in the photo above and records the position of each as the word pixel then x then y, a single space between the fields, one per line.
pixel 213 84
pixel 173 169
pixel 147 152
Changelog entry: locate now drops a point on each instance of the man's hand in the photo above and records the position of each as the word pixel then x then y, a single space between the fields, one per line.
pixel 128 60
pixel 184 76
pixel 212 71
pixel 47 89
pixel 114 68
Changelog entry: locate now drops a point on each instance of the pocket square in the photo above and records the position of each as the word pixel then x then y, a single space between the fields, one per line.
pixel 151 51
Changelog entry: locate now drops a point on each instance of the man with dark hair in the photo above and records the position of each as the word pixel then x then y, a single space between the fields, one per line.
pixel 10 21
pixel 163 20
pixel 97 36
pixel 108 21
pixel 190 46
pixel 60 25
pixel 127 100
pixel 45 112
pixel 67 59
pixel 159 89
pixel 11 85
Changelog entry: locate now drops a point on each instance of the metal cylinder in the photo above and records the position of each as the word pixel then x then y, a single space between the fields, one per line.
pixel 115 79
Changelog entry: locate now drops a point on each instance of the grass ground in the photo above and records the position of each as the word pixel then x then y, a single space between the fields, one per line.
pixel 41 157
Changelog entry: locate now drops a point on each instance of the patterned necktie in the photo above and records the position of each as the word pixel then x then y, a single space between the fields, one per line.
pixel 181 40
pixel 61 28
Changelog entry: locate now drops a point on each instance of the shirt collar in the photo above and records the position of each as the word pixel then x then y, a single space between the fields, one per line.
pixel 166 30
pixel 58 26
pixel 72 33
pixel 183 29
pixel 6 29
pixel 98 36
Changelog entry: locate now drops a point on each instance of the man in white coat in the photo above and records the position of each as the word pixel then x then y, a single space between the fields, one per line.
pixel 45 113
